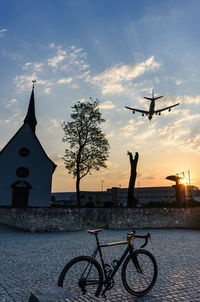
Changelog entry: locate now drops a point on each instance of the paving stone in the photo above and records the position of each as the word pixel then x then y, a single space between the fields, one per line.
pixel 50 295
pixel 31 262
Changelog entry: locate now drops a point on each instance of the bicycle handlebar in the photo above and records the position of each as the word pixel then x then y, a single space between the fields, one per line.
pixel 146 237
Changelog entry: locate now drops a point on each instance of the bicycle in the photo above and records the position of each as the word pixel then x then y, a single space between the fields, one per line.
pixel 84 274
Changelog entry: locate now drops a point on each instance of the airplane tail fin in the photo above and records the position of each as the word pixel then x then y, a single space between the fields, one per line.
pixel 153 98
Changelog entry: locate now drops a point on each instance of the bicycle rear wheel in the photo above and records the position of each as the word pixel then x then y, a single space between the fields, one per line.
pixel 82 275
pixel 139 283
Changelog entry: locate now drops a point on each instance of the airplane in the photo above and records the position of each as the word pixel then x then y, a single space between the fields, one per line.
pixel 152 110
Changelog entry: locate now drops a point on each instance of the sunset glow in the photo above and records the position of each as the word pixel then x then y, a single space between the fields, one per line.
pixel 116 51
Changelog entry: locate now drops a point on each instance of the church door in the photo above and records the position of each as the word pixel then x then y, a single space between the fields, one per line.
pixel 20 197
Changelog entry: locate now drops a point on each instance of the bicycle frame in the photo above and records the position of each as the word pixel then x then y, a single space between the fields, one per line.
pixel 110 275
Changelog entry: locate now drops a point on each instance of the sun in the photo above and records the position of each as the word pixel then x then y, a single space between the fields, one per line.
pixel 184 181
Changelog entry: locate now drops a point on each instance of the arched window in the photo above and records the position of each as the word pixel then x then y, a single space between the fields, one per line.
pixel 22 172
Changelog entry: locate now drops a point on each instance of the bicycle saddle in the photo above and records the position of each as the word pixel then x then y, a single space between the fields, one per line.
pixel 94 231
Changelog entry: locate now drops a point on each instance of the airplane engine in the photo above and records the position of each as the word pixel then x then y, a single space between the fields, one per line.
pixel 142 114
pixel 159 113
pixel 133 112
pixel 169 109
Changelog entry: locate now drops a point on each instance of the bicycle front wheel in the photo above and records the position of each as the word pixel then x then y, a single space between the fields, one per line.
pixel 139 281
pixel 82 275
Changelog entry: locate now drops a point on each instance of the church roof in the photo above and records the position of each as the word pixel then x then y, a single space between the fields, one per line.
pixel 30 116
pixel 37 140
pixel 30 119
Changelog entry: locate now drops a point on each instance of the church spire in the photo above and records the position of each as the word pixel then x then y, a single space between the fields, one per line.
pixel 30 116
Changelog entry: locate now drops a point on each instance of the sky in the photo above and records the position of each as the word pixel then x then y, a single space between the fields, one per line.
pixel 116 51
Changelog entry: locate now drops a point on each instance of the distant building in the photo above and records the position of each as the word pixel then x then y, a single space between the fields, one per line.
pixel 118 196
pixel 87 197
pixel 144 195
pixel 26 170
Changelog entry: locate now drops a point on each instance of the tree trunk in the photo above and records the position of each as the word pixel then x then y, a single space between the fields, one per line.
pixel 131 200
pixel 78 196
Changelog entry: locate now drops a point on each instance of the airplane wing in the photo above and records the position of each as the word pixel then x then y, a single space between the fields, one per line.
pixel 166 108
pixel 138 110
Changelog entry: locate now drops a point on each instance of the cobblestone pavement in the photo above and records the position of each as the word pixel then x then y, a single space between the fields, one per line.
pixel 33 261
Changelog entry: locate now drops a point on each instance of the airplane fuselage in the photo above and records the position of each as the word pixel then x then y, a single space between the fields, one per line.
pixel 151 109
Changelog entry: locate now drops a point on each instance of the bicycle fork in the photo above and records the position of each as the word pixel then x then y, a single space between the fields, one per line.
pixel 135 261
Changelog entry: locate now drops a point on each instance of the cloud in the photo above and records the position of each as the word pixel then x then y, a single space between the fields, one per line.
pixel 183 134
pixel 131 127
pixel 26 65
pixel 179 82
pixel 68 65
pixel 187 99
pixel 23 82
pixel 2 32
pixel 66 58
pixel 112 80
pixel 107 105
pixel 112 89
pixel 47 90
pixel 65 81
pixel 36 67
pixel 55 123
pixel 146 134
pixel 52 45
pixel 60 56
pixel 11 103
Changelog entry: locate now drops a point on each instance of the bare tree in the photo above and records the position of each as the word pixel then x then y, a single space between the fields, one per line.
pixel 131 200
pixel 88 147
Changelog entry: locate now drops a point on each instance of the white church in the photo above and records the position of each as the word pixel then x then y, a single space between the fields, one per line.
pixel 26 170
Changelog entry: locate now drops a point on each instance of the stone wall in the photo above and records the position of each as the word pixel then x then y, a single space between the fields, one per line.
pixel 55 219
pixel 154 218
pixel 42 219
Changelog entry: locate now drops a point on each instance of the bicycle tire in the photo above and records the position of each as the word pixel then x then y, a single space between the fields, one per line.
pixel 75 276
pixel 139 283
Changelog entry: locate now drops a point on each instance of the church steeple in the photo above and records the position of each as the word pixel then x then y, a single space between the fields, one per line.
pixel 30 116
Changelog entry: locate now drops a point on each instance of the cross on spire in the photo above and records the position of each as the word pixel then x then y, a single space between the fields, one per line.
pixel 33 81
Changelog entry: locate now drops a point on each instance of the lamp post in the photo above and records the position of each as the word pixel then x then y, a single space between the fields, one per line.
pixel 102 185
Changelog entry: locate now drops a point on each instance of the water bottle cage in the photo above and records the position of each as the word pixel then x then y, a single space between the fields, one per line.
pixel 114 263
pixel 108 269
